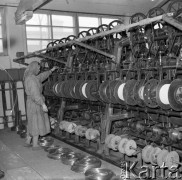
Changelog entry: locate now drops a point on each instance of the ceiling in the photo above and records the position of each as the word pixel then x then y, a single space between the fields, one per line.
pixel 110 7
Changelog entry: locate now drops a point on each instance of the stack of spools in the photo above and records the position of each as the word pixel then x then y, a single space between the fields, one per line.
pixel 121 143
pixel 157 156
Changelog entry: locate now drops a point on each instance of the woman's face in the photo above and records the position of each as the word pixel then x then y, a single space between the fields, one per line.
pixel 38 69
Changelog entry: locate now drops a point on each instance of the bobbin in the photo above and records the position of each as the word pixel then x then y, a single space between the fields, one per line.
pixel 172 160
pixel 130 147
pixel 115 142
pixel 153 156
pixel 121 146
pixel 161 158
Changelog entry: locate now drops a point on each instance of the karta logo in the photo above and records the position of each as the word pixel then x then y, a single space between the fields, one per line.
pixel 149 172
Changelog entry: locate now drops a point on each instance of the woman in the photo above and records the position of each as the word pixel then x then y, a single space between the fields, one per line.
pixel 38 121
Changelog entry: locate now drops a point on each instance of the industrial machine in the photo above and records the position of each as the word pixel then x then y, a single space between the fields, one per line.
pixel 118 91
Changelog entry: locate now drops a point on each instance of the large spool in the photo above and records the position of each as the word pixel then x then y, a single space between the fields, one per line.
pixel 118 92
pixel 82 90
pixel 150 93
pixel 128 92
pixel 104 91
pixel 175 95
pixel 91 90
pixel 162 94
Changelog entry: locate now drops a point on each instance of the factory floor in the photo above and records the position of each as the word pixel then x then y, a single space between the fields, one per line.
pixel 22 163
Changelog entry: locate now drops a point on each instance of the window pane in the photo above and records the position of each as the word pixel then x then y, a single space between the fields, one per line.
pixel 107 20
pixel 59 33
pixel 58 20
pixel 38 32
pixel 35 45
pixel 0 18
pixel 1 45
pixel 83 29
pixel 88 21
pixel 0 31
pixel 39 19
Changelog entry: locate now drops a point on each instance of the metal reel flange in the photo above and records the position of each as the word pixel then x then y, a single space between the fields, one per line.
pixel 162 94
pixel 115 142
pixel 118 92
pixel 128 92
pixel 82 90
pixel 60 89
pixel 91 91
pixel 102 91
pixel 146 151
pixel 110 92
pixel 77 89
pixel 172 160
pixel 54 88
pixel 130 147
pixel 154 154
pixel 137 17
pixel 156 11
pixel 121 146
pixel 67 88
pixel 138 92
pixel 150 93
pixel 175 95
pixel 161 158
pixel 72 89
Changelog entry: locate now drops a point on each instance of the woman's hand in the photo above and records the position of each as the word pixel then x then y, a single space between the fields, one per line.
pixel 54 68
pixel 44 107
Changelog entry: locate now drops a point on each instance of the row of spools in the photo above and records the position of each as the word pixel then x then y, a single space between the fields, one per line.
pixel 80 163
pixel 82 131
pixel 152 93
pixel 150 154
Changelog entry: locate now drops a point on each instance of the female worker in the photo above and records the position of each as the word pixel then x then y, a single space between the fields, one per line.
pixel 38 122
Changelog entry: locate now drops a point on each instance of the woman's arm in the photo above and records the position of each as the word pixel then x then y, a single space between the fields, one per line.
pixel 43 76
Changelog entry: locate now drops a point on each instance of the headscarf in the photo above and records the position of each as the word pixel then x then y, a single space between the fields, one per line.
pixel 32 69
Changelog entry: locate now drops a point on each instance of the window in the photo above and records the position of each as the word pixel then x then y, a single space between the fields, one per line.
pixel 44 28
pixel 3 48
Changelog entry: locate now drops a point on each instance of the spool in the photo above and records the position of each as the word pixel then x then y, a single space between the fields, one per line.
pixel 120 91
pixel 9 115
pixel 1 123
pixel 84 90
pixel 163 94
pixel 140 92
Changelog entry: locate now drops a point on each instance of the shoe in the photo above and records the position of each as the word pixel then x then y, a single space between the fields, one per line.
pixel 36 148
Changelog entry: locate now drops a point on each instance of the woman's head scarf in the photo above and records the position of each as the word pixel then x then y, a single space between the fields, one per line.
pixel 32 69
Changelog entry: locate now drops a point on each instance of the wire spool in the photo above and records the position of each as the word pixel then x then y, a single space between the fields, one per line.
pixel 115 142
pixel 99 174
pixel 128 92
pixel 88 162
pixel 91 91
pixel 110 92
pixel 9 116
pixel 55 88
pixel 1 123
pixel 65 125
pixel 67 88
pixel 172 160
pixel 87 133
pixel 60 89
pixel 130 147
pixel 154 154
pixel 108 139
pixel 81 131
pixel 146 152
pixel 77 129
pixel 118 92
pixel 61 125
pixel 122 143
pixel 46 141
pixel 77 89
pixel 94 134
pixel 52 147
pixel 55 156
pixel 175 94
pixel 71 158
pixel 138 93
pixel 150 93
pixel 72 89
pixel 104 91
pixel 162 94
pixel 82 90
pixel 71 127
pixel 161 158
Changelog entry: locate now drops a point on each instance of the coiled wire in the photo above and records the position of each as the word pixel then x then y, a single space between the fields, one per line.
pixel 46 141
pixel 88 162
pixel 99 174
pixel 70 158
pixel 57 153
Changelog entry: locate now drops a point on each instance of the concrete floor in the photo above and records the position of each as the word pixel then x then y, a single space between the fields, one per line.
pixel 21 163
